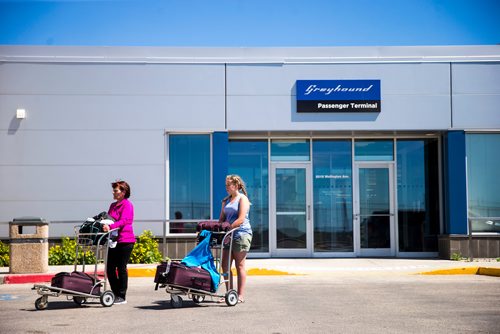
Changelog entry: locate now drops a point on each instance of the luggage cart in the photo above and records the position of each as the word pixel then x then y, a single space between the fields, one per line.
pixel 198 296
pixel 99 244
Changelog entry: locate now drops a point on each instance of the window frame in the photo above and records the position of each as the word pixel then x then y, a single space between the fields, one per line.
pixel 469 218
pixel 167 134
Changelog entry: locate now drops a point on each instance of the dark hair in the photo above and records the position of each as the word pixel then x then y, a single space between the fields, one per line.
pixel 123 186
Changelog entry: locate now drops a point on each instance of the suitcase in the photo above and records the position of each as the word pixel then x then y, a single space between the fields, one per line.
pixel 76 281
pixel 161 273
pixel 189 277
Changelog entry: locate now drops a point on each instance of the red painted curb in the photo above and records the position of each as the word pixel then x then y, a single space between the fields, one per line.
pixel 27 278
pixel 34 278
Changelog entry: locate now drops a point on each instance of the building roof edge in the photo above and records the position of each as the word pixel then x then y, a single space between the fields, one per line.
pixel 249 55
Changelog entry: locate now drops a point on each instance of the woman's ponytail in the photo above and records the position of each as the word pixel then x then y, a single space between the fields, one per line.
pixel 238 181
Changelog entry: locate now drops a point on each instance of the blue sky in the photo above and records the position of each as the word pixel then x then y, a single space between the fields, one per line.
pixel 251 22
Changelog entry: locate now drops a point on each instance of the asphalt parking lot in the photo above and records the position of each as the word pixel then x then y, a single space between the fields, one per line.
pixel 365 302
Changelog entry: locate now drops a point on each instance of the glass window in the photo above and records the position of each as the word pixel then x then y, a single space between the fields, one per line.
pixel 291 223
pixel 483 176
pixel 332 172
pixel 249 159
pixel 290 150
pixel 189 158
pixel 418 195
pixel 374 207
pixel 374 150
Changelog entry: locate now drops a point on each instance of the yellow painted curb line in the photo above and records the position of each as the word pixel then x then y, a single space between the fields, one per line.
pixel 465 271
pixel 150 272
pixel 489 271
pixel 141 272
pixel 453 271
pixel 265 272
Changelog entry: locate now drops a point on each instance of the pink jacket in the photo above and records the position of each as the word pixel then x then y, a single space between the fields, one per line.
pixel 123 214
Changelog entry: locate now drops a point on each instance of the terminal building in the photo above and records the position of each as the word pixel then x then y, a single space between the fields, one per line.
pixel 346 151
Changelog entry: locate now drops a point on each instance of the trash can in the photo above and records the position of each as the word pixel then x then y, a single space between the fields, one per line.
pixel 29 245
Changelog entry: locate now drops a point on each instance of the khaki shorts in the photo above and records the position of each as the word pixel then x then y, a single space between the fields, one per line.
pixel 243 243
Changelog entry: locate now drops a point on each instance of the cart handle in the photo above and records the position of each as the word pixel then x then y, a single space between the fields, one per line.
pixel 77 228
pixel 102 234
pixel 228 233
pixel 105 233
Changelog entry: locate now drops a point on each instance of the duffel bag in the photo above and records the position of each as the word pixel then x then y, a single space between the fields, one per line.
pixel 213 226
pixel 90 230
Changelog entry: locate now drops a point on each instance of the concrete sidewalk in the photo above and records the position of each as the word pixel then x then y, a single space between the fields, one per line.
pixel 315 266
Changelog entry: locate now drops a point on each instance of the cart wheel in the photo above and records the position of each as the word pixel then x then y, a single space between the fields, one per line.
pixel 79 300
pixel 198 298
pixel 176 301
pixel 231 298
pixel 107 298
pixel 41 303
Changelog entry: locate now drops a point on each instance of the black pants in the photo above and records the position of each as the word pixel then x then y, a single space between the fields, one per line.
pixel 117 268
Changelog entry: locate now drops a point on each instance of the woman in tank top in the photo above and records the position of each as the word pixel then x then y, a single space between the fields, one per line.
pixel 234 210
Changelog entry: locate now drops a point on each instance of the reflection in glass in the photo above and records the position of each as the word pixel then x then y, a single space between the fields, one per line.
pixel 249 159
pixel 490 224
pixel 291 231
pixel 373 150
pixel 291 208
pixel 418 195
pixel 374 207
pixel 483 176
pixel 189 158
pixel 374 191
pixel 332 193
pixel 290 190
pixel 375 232
pixel 290 150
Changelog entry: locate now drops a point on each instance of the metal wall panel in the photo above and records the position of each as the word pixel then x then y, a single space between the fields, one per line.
pixel 414 96
pixel 111 79
pixel 89 124
pixel 82 148
pixel 76 112
pixel 76 192
pixel 399 112
pixel 476 96
pixel 414 79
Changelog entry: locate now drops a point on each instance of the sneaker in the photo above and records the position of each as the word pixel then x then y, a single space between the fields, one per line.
pixel 120 301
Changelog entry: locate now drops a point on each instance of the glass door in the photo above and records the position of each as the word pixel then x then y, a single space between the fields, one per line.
pixel 374 209
pixel 291 210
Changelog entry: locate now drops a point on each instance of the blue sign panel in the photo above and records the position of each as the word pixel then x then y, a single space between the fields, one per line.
pixel 338 95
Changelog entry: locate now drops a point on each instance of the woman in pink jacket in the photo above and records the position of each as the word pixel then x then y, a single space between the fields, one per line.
pixel 122 211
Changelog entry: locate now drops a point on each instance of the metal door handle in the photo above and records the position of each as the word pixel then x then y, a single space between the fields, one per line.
pixel 309 212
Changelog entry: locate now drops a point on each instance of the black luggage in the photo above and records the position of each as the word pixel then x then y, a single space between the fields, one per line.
pixel 90 229
pixel 76 281
pixel 184 276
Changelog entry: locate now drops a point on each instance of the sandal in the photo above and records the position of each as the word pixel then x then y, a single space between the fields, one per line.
pixel 241 300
